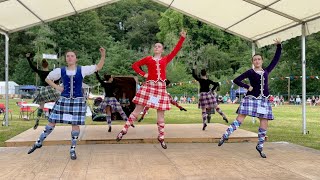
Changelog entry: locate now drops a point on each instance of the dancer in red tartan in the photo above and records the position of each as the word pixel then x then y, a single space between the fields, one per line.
pixel 145 110
pixel 153 93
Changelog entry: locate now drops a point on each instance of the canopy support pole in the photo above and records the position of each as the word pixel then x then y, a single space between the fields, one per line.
pixel 253 52
pixel 303 59
pixel 6 122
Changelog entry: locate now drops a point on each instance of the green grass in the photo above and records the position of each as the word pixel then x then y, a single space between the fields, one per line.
pixel 287 125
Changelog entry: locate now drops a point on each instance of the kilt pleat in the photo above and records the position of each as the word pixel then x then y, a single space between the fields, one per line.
pixel 153 95
pixel 251 105
pixel 69 111
pixel 112 102
pixel 207 100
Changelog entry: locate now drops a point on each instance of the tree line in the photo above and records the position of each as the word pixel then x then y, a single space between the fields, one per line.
pixel 129 28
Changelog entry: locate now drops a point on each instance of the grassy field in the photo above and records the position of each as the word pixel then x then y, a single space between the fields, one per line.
pixel 287 125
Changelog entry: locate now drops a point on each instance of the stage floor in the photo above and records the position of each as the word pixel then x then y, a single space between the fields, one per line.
pixel 97 134
pixel 181 161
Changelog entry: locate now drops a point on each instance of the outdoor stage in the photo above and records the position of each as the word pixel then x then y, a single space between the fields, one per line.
pixel 191 154
pixel 181 161
pixel 97 134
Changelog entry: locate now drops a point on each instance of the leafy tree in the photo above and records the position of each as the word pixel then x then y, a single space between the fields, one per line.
pixel 23 75
pixel 142 29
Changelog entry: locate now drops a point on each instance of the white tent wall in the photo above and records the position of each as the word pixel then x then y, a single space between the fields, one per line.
pixel 11 87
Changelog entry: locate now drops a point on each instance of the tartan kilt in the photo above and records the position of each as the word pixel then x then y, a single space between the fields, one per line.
pixel 207 100
pixel 47 94
pixel 112 102
pixel 69 111
pixel 249 106
pixel 153 95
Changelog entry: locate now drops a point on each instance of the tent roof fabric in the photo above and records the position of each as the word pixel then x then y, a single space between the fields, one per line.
pixel 11 83
pixel 259 21
pixel 17 15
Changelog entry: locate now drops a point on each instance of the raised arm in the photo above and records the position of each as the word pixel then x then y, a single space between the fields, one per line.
pixel 102 59
pixel 238 80
pixel 194 75
pixel 276 57
pixel 178 46
pixel 99 78
pixel 34 68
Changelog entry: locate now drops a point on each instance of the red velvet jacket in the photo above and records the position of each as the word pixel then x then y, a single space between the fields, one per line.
pixel 157 68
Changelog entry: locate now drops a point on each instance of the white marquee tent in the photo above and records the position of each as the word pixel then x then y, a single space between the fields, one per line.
pixel 11 87
pixel 258 21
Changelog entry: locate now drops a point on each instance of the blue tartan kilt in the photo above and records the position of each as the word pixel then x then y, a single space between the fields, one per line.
pixel 256 107
pixel 112 102
pixel 69 111
pixel 207 100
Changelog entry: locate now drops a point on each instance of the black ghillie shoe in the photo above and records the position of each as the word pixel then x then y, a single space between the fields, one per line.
pixel 260 152
pixel 225 119
pixel 132 125
pixel 120 135
pixel 36 124
pixel 162 143
pixel 140 119
pixel 109 130
pixel 73 155
pixel 204 126
pixel 33 148
pixel 183 109
pixel 222 140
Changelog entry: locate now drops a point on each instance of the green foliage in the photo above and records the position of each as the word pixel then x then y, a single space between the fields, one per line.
pixel 177 72
pixel 23 74
pixel 120 59
pixel 129 28
pixel 187 89
pixel 170 22
pixel 141 29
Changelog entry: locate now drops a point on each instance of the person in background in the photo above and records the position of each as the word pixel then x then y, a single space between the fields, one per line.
pixel 291 100
pixel 110 104
pixel 298 100
pixel 46 93
pixel 207 100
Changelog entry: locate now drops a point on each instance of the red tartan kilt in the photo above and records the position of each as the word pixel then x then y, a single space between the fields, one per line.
pixel 153 89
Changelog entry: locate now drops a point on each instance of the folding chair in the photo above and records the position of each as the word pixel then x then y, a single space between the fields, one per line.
pixel 24 110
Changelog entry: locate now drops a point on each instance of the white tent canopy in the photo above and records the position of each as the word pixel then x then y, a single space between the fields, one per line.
pixel 16 15
pixel 259 21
